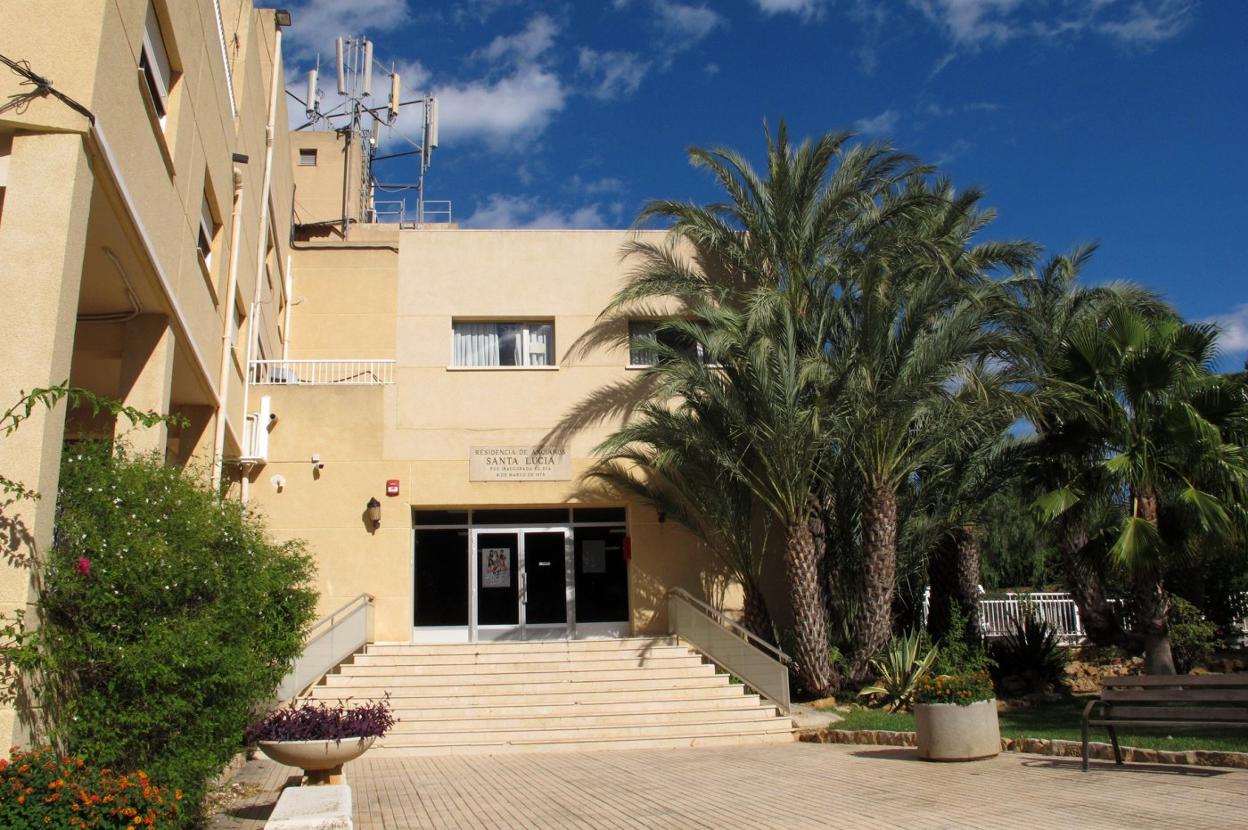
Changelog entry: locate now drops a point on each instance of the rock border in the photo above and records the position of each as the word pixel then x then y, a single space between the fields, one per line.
pixel 1043 746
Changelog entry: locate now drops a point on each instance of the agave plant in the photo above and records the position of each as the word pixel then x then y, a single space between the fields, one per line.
pixel 1032 650
pixel 899 669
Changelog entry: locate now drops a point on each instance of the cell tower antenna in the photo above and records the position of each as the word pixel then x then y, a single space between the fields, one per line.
pixel 360 122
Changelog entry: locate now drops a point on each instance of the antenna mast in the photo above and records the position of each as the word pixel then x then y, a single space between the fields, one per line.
pixel 359 119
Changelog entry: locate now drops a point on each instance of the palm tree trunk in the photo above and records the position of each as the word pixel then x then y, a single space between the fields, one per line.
pixel 1100 621
pixel 810 623
pixel 755 615
pixel 953 577
pixel 1153 617
pixel 874 620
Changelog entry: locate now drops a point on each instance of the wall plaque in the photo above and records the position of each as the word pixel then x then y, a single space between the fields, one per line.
pixel 518 464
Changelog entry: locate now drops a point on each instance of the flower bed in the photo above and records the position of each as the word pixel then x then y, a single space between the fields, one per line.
pixel 39 788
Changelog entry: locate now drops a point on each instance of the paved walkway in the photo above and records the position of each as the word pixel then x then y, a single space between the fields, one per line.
pixel 767 786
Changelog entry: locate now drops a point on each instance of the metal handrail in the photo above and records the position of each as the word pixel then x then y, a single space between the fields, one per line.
pixel 332 617
pixel 719 617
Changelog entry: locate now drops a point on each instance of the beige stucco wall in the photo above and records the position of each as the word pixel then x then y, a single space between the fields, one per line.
pixel 374 302
pixel 105 219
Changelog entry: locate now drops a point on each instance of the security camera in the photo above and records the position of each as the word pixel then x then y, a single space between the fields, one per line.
pixel 317 464
pixel 272 417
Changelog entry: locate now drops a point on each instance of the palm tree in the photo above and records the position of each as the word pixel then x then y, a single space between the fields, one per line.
pixel 752 272
pixel 1049 306
pixel 916 344
pixel 1142 389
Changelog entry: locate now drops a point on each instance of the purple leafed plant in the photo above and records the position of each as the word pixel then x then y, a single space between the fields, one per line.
pixel 309 720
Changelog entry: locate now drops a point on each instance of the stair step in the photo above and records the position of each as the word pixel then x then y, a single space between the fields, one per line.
pixel 530 646
pixel 493 735
pixel 671 741
pixel 521 688
pixel 716 688
pixel 389 678
pixel 475 724
pixel 384 666
pixel 516 708
pixel 515 657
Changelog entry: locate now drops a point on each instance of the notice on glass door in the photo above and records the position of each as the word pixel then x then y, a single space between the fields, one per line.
pixel 495 567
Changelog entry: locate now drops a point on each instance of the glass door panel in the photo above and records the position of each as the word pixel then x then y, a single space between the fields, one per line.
pixel 498 581
pixel 545 572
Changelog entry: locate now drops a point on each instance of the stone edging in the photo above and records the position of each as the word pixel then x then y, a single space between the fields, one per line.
pixel 1042 746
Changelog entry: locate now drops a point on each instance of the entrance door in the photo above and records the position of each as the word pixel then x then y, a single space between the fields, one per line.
pixel 522 585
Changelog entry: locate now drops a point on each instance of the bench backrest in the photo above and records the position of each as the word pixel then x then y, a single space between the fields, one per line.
pixel 1207 697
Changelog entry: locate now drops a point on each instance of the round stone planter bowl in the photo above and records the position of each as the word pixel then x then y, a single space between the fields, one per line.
pixel 949 732
pixel 321 761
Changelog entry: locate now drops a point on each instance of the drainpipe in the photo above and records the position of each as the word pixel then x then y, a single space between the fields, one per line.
pixel 262 248
pixel 231 288
pixel 290 301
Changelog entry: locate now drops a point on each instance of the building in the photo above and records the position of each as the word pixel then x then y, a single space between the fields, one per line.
pixel 376 389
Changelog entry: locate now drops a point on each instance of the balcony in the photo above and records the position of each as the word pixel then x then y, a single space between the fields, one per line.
pixel 321 372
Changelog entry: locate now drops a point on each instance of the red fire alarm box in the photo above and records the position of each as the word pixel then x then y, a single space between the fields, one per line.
pixel 392 487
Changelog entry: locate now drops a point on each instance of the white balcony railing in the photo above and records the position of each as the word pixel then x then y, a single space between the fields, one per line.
pixel 322 372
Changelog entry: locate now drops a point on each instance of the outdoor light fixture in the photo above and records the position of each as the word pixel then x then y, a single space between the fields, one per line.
pixel 282 17
pixel 374 513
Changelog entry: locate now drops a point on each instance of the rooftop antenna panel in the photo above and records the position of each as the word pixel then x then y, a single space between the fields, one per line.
pixel 342 69
pixel 368 68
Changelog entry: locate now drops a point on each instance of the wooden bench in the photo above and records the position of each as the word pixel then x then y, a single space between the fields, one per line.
pixel 1188 700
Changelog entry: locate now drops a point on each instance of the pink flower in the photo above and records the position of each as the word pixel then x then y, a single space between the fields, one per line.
pixel 84 565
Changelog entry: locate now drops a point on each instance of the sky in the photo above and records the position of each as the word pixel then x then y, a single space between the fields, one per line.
pixel 1121 122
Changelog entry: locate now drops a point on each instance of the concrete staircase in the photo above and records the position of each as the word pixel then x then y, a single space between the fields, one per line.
pixel 486 698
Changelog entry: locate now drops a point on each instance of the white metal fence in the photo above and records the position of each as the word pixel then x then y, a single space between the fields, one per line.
pixel 322 372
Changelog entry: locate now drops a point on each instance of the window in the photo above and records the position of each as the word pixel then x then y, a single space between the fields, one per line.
pixel 503 343
pixel 644 334
pixel 307 158
pixel 236 323
pixel 207 231
pixel 154 61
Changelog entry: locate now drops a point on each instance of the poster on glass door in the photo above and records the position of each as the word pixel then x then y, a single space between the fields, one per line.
pixel 495 567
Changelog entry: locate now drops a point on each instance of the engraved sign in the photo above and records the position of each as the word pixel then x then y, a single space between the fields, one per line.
pixel 518 464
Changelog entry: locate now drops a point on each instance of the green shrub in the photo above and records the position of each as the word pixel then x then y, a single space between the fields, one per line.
pixel 1192 637
pixel 899 668
pixel 961 650
pixel 167 619
pixel 963 689
pixel 1030 650
pixel 39 788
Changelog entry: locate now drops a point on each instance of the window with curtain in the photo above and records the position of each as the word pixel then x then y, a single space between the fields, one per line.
pixel 498 343
pixel 643 335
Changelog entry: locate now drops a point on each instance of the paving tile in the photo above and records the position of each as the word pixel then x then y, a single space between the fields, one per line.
pixel 764 786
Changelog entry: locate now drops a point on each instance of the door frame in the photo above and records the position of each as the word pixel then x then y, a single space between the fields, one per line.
pixel 522 630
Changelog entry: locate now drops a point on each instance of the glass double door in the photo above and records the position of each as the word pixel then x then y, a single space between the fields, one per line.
pixel 523 583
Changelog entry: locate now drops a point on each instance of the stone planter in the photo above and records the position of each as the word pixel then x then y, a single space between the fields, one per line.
pixel 321 761
pixel 948 732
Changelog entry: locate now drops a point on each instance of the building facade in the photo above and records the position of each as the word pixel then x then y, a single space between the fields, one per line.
pixel 384 392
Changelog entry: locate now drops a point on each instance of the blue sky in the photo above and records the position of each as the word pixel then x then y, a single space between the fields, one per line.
pixel 1118 121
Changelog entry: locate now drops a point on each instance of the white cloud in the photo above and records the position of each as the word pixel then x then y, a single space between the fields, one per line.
pixel 1146 23
pixel 972 22
pixel 1234 329
pixel 608 184
pixel 805 8
pixel 525 46
pixel 506 113
pixel 317 22
pixel 616 73
pixel 685 23
pixel 876 125
pixel 502 211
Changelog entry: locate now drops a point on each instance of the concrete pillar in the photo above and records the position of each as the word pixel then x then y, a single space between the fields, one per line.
pixel 42 239
pixel 146 380
pixel 194 440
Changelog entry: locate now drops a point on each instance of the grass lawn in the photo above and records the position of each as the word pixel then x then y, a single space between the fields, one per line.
pixel 1060 721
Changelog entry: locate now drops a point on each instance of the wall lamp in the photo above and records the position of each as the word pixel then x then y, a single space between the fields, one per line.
pixel 374 513
pixel 282 17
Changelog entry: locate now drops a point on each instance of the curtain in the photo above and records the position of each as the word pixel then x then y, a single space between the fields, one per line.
pixel 476 344
pixel 539 347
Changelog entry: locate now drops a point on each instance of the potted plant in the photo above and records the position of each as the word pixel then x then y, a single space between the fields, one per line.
pixel 955 717
pixel 320 738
